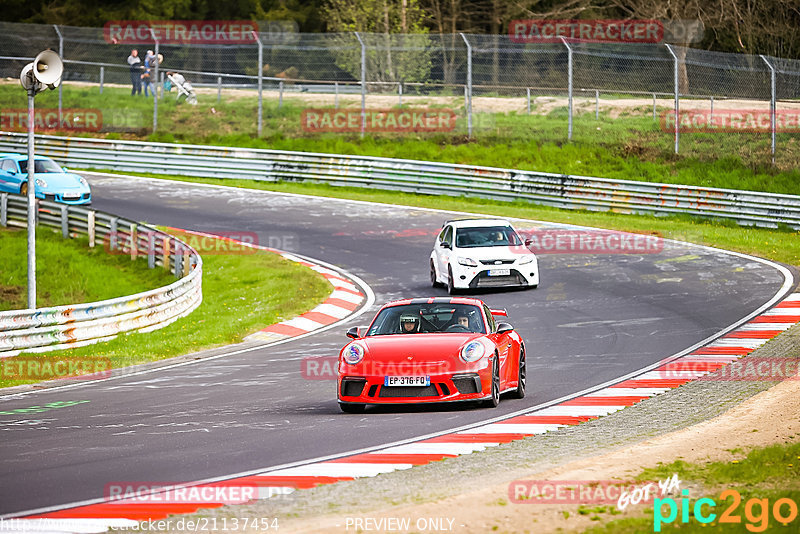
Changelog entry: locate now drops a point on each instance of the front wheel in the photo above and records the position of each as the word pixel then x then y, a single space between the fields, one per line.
pixel 451 288
pixel 519 393
pixel 494 400
pixel 23 189
pixel 434 281
pixel 352 407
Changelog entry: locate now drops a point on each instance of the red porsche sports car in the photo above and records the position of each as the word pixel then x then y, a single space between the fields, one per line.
pixel 437 349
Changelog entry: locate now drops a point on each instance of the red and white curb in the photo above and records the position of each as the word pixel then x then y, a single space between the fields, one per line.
pixel 349 295
pixel 671 373
pixel 345 299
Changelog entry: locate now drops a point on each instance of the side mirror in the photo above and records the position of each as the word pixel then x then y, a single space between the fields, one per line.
pixel 353 333
pixel 446 245
pixel 528 242
pixel 64 169
pixel 502 328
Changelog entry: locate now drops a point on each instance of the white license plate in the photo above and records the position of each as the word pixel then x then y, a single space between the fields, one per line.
pixel 406 381
pixel 71 195
pixel 499 272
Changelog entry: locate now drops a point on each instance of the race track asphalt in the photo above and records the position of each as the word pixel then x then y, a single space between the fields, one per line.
pixel 593 318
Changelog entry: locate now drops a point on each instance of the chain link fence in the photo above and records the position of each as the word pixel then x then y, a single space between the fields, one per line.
pixel 479 76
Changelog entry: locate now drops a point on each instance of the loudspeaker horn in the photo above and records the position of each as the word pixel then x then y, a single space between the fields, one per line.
pixel 48 67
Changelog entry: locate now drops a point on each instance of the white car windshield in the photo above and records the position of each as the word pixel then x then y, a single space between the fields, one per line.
pixel 487 236
pixel 41 166
pixel 428 318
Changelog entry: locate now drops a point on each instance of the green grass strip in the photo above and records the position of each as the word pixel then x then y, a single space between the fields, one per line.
pixel 68 271
pixel 241 294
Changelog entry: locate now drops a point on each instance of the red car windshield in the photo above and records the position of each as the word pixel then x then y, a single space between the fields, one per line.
pixel 428 318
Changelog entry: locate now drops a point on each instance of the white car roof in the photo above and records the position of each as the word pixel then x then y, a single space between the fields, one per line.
pixel 473 223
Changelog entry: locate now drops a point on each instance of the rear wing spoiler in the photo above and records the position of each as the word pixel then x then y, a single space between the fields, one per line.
pixel 502 312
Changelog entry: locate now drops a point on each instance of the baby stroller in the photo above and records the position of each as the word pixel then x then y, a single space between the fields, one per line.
pixel 183 87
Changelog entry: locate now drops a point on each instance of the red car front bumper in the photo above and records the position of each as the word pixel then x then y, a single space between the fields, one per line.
pixel 459 386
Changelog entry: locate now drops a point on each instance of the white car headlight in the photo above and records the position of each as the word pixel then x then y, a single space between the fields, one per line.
pixel 353 353
pixel 83 181
pixel 527 259
pixel 40 183
pixel 469 262
pixel 473 351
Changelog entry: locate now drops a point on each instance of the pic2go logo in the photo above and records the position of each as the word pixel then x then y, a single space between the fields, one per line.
pixel 756 511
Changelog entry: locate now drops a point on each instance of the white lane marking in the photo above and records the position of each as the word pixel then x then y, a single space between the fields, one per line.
pixel 668 374
pixel 346 296
pixel 760 327
pixel 777 312
pixel 579 410
pixel 302 323
pixel 333 469
pixel 339 284
pixel 749 343
pixel 514 428
pixel 437 448
pixel 332 310
pixel 628 392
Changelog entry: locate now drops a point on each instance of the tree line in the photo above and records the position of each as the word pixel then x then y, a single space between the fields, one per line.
pixel 747 26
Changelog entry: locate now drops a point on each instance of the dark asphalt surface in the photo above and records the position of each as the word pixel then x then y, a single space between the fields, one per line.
pixel 593 318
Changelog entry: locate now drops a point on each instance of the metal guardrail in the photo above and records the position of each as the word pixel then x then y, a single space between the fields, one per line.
pixel 70 326
pixel 559 190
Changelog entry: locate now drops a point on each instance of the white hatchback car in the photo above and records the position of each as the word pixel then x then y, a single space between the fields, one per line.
pixel 481 253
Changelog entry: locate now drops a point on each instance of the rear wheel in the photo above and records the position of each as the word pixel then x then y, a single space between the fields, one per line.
pixel 352 407
pixel 519 393
pixel 494 400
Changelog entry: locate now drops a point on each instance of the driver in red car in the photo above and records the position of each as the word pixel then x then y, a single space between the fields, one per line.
pixel 409 324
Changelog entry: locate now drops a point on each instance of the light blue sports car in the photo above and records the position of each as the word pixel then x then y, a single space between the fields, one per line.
pixel 52 181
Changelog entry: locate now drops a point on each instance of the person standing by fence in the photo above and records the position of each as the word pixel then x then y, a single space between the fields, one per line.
pixel 147 79
pixel 136 72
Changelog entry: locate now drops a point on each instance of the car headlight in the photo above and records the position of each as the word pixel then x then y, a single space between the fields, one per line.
pixel 40 183
pixel 469 262
pixel 473 351
pixel 83 181
pixel 353 353
pixel 527 259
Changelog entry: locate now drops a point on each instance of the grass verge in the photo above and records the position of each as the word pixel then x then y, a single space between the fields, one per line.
pixel 241 294
pixel 762 479
pixel 619 145
pixel 780 245
pixel 66 271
